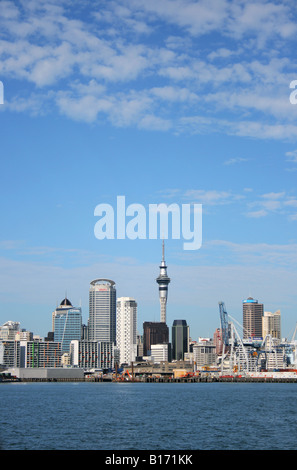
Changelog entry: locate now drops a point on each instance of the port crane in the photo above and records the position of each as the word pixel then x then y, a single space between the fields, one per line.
pixel 233 347
pixel 224 324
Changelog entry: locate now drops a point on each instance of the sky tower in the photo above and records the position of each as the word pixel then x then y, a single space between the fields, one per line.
pixel 163 281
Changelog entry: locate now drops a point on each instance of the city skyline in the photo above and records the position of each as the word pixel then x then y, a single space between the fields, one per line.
pixel 113 319
pixel 172 102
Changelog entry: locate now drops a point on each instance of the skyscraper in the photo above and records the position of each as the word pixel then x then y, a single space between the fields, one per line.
pixel 154 333
pixel 180 339
pixel 163 280
pixel 271 324
pixel 102 311
pixel 252 318
pixel 67 322
pixel 126 330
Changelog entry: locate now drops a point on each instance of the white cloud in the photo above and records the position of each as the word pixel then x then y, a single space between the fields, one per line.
pixel 85 108
pixel 250 205
pixel 292 156
pixel 259 254
pixel 273 203
pixel 235 160
pixel 151 122
pixel 261 21
pixel 140 66
pixel 211 197
pixel 273 195
pixel 196 17
pixel 292 202
pixel 262 130
pixel 171 93
pixel 257 214
pixel 200 124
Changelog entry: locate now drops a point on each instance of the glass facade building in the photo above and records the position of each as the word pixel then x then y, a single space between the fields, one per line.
pixel 180 339
pixel 67 324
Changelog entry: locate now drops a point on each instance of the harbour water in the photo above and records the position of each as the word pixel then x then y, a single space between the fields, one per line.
pixel 148 416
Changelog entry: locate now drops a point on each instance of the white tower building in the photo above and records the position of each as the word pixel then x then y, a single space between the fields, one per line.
pixel 271 324
pixel 102 311
pixel 126 331
pixel 163 280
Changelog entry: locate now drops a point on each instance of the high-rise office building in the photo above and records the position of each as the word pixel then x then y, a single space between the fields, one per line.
pixel 67 324
pixel 126 329
pixel 218 341
pixel 65 304
pixel 163 280
pixel 271 324
pixel 154 333
pixel 180 339
pixel 102 311
pixel 252 318
pixel 9 330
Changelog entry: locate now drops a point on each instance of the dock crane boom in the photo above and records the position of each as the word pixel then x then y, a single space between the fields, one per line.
pixel 224 323
pixel 232 344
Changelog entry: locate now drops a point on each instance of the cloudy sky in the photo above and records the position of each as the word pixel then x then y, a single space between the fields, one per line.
pixel 168 101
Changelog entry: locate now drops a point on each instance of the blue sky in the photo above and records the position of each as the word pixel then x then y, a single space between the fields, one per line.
pixel 171 101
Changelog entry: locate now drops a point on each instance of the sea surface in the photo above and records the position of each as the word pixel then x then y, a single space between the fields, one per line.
pixel 148 416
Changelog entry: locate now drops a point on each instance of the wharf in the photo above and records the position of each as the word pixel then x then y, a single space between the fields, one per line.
pixel 78 375
pixel 162 380
pixel 235 379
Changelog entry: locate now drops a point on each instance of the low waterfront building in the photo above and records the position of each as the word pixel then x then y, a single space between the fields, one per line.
pixel 9 353
pixel 34 354
pixel 30 354
pixel 92 354
pixel 47 373
pixel 204 354
pixel 162 369
pixel 159 353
